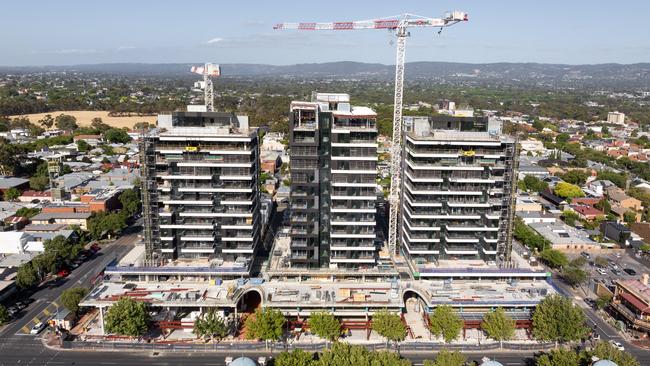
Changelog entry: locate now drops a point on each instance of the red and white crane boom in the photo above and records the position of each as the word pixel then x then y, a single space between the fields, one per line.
pixel 399 24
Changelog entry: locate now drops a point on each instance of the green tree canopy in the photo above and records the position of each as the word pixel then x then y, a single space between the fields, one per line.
pixel 4 315
pixel 11 194
pixel 606 351
pixel 574 276
pixel 616 178
pixel 116 135
pixel 498 325
pixel 130 200
pixel 127 317
pixel 554 258
pixel 389 325
pixel 344 354
pixel 83 146
pixel 71 298
pixel 47 121
pixel 534 184
pixel 568 190
pixel 558 357
pixel 210 325
pixel 99 125
pixel 265 324
pixel 529 237
pixel 26 276
pixel 445 322
pixel 447 358
pixel 575 176
pixel 28 212
pixel 629 217
pixel 101 224
pixel 297 357
pixel 557 319
pixel 66 122
pixel 325 325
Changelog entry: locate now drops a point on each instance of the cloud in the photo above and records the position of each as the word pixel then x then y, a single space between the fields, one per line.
pixel 125 48
pixel 215 40
pixel 75 51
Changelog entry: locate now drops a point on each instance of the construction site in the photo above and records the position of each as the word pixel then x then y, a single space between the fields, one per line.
pixel 447 239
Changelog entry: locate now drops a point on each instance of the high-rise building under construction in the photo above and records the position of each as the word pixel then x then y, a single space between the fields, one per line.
pixel 457 192
pixel 201 191
pixel 333 195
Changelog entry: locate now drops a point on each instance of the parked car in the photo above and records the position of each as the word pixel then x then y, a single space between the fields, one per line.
pixel 95 248
pixel 37 328
pixel 617 255
pixel 616 272
pixel 630 271
pixel 586 255
pixel 601 271
pixel 63 272
pixel 618 345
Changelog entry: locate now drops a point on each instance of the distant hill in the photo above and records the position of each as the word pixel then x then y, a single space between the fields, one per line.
pixel 631 75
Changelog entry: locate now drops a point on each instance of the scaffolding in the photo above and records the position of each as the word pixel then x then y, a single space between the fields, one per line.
pixel 504 245
pixel 149 195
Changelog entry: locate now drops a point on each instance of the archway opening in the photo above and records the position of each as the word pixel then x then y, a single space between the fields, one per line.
pixel 249 301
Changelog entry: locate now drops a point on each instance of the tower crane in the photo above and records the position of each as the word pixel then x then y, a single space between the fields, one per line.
pixel 400 25
pixel 208 71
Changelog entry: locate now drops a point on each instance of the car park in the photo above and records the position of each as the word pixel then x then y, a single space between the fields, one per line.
pixel 37 328
pixel 630 271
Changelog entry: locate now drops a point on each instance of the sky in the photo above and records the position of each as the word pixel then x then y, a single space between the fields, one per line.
pixel 69 32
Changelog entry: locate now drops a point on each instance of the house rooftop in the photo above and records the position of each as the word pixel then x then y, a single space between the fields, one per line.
pixel 11 182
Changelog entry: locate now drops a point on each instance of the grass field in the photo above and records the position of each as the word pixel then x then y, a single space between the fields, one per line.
pixel 84 118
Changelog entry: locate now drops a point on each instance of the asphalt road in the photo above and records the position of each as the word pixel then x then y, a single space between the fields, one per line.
pixel 49 293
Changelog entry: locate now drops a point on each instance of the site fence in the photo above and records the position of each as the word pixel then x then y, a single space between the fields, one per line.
pixel 279 346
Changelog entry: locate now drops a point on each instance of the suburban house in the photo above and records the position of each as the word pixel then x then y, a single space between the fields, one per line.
pixel 631 303
pixel 586 212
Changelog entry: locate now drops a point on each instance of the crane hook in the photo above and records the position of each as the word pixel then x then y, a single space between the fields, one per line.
pixel 440 31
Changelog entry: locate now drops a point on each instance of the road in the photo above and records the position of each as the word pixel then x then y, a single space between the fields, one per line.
pixel 15 335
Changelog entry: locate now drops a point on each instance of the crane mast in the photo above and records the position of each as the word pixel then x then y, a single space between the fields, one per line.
pixel 400 25
pixel 208 71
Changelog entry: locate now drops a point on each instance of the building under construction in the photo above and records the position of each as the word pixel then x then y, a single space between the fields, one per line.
pixel 201 195
pixel 457 193
pixel 333 188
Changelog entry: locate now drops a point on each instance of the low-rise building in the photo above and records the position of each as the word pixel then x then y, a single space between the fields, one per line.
pixel 68 218
pixel 617 197
pixel 586 212
pixel 615 231
pixel 531 217
pixel 564 237
pixel 528 204
pixel 29 196
pixel 631 303
pixel 6 183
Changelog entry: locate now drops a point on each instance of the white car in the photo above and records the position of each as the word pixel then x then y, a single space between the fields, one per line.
pixel 601 271
pixel 37 328
pixel 618 345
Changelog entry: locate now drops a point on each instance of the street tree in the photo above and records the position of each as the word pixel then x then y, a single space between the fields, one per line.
pixel 600 261
pixel 498 325
pixel 210 325
pixel 297 357
pixel 4 315
pixel 127 317
pixel 71 298
pixel 558 357
pixel 266 324
pixel 325 325
pixel 66 122
pixel 389 325
pixel 39 182
pixel 603 300
pixel 27 276
pixel 445 322
pixel 574 276
pixel 447 358
pixel 130 200
pixel 557 319
pixel 607 351
pixel 553 258
pixel 345 354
